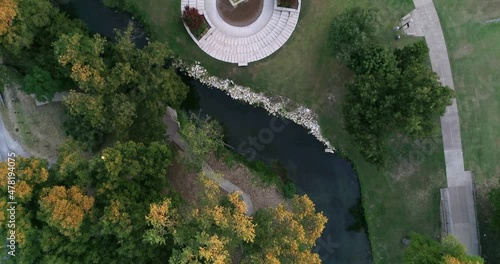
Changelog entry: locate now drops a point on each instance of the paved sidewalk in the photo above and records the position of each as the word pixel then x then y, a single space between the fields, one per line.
pixel 170 120
pixel 458 199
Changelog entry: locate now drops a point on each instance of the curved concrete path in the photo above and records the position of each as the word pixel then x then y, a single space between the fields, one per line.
pixel 173 126
pixel 243 45
pixel 458 200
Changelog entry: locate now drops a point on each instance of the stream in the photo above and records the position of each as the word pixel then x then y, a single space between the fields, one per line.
pixel 326 178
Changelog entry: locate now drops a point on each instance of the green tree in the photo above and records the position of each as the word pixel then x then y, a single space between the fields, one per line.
pixel 351 31
pixel 64 209
pixel 204 137
pixel 86 118
pixel 416 53
pixel 30 175
pixel 373 60
pixel 424 250
pixel 127 178
pixel 27 45
pixel 206 234
pixel 40 83
pixel 384 99
pixel 126 89
pixel 30 19
pixel 71 166
pixel 83 57
pixel 8 11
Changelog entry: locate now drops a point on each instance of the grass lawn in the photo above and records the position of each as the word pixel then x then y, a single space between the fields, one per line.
pixel 474 49
pixel 399 199
pixel 38 129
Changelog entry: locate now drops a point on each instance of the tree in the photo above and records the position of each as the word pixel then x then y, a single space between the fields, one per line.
pixel 82 55
pixel 31 175
pixel 40 83
pixel 416 53
pixel 204 137
pixel 423 249
pixel 384 99
pixel 373 60
pixel 86 118
pixel 29 20
pixel 27 45
pixel 64 209
pixel 206 234
pixel 124 88
pixel 287 235
pixel 219 231
pixel 351 31
pixel 8 11
pixel 127 178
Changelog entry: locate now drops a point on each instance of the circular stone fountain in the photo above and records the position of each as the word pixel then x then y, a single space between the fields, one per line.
pixel 243 31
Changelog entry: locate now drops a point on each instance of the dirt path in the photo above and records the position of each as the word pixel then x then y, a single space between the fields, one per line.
pixel 170 120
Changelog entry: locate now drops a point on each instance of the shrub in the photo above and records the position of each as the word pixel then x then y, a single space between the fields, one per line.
pixel 287 3
pixel 194 20
pixel 289 190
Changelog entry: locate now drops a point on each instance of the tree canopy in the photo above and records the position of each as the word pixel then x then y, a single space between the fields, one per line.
pixel 384 99
pixel 393 91
pixel 219 229
pixel 204 137
pixel 351 31
pixel 27 45
pixel 424 250
pixel 123 87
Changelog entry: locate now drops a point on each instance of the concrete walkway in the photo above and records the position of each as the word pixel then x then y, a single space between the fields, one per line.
pixel 173 126
pixel 458 200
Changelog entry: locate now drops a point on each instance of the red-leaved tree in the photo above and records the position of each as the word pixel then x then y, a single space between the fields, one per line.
pixel 193 19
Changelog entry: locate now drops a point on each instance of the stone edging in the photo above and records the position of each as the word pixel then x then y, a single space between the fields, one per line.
pixel 275 106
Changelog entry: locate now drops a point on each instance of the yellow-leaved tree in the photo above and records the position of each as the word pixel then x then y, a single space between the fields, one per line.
pixel 220 231
pixel 287 234
pixel 8 10
pixel 65 209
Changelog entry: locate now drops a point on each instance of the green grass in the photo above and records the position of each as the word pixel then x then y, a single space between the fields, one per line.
pixel 38 129
pixel 399 199
pixel 474 50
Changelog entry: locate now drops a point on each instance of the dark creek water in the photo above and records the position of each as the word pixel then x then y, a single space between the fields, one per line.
pixel 326 178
